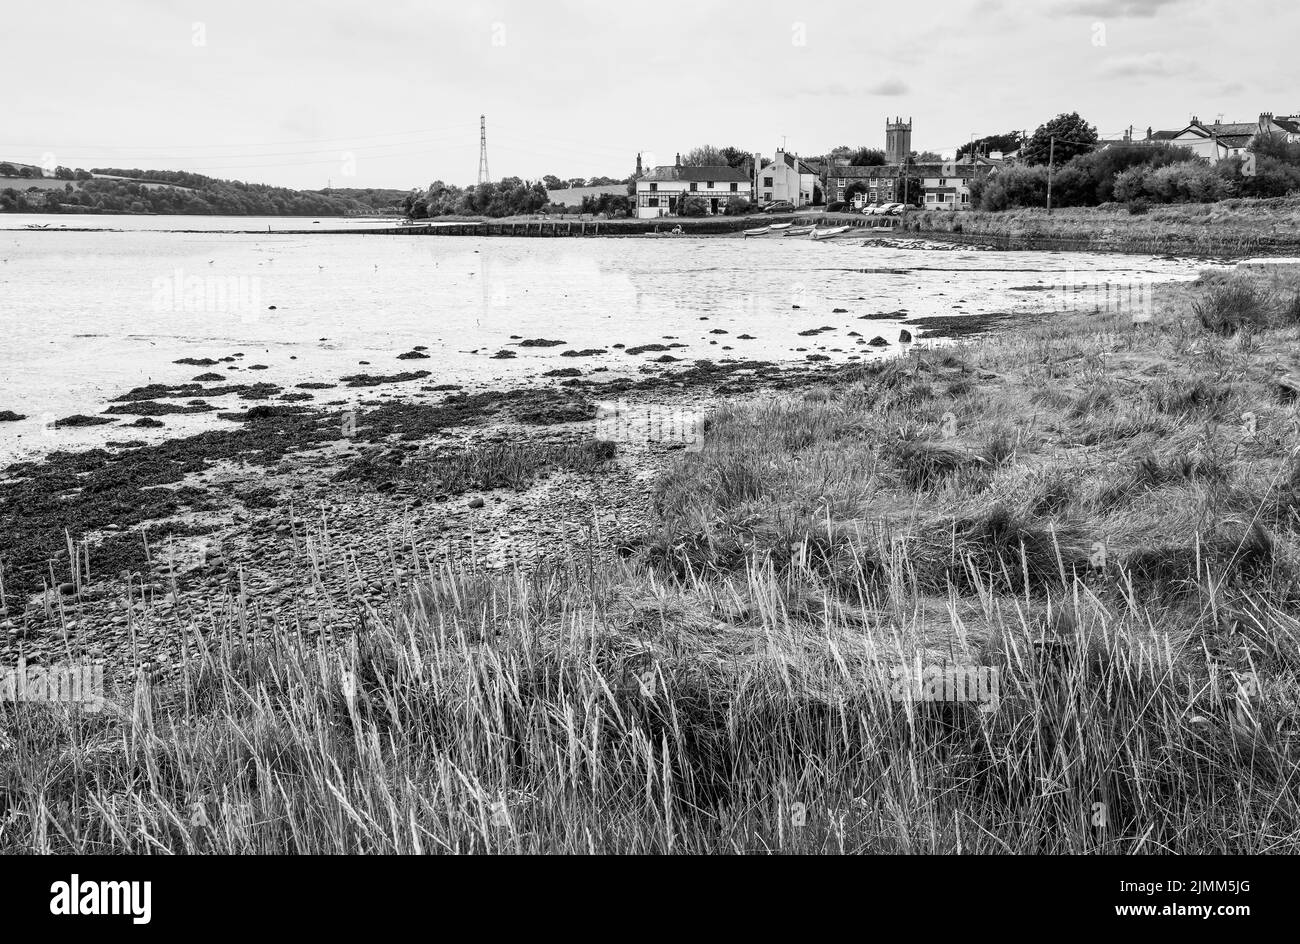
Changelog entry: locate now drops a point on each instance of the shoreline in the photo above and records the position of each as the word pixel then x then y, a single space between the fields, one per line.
pixel 113 553
pixel 1097 513
pixel 1210 232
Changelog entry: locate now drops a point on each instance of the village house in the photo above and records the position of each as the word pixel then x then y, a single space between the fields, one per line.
pixel 1221 140
pixel 942 186
pixel 664 190
pixel 786 178
pixel 947 186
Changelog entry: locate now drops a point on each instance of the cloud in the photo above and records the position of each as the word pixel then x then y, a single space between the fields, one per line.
pixel 1116 8
pixel 1151 64
pixel 889 88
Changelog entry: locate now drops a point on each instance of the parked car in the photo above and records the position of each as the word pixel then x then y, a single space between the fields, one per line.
pixel 779 206
pixel 894 209
pixel 869 208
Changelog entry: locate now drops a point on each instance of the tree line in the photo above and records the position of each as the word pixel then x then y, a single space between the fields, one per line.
pixel 1135 174
pixel 200 196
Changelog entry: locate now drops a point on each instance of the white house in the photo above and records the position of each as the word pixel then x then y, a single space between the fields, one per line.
pixel 786 178
pixel 1221 140
pixel 664 190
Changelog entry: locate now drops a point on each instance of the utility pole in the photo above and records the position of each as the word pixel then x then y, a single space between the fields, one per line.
pixel 1051 156
pixel 482 150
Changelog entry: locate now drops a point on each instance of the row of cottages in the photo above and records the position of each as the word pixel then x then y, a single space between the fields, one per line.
pixel 944 186
pixel 786 178
pixel 1219 140
pixel 665 189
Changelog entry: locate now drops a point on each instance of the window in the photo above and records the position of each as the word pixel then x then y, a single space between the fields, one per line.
pixel 653 201
pixel 767 195
pixel 654 188
pixel 842 182
pixel 694 187
pixel 767 181
pixel 733 188
pixel 710 185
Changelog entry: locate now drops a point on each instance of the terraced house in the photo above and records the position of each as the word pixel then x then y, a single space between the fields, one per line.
pixel 786 178
pixel 944 186
pixel 665 189
pixel 1227 139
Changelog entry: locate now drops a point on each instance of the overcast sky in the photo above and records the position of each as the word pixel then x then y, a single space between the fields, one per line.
pixel 388 94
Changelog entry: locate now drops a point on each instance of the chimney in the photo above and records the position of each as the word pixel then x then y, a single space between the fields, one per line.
pixel 679 158
pixel 638 164
pixel 1149 132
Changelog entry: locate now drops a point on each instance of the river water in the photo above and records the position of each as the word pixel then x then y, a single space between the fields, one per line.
pixel 85 316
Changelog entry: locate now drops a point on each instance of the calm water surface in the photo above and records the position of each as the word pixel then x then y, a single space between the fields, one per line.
pixel 85 316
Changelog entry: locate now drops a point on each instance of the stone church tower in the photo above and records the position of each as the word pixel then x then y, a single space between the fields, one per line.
pixel 898 140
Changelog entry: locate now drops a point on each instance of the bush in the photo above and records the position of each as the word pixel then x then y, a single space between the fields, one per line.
pixel 738 206
pixel 694 206
pixel 1138 206
pixel 1015 187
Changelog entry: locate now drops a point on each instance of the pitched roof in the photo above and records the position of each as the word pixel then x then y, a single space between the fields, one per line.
pixel 959 169
pixel 1235 127
pixel 798 164
pixel 697 173
pixel 863 170
pixel 1235 140
pixel 1288 124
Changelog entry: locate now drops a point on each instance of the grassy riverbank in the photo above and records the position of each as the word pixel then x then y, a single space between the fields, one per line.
pixel 1102 516
pixel 1233 228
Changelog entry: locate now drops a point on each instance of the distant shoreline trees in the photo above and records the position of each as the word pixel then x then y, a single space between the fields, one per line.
pixel 182 192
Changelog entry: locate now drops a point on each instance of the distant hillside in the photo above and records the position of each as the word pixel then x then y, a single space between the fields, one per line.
pixel 378 198
pixel 132 190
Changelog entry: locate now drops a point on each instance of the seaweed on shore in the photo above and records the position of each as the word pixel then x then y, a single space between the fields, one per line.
pixel 80 419
pixel 154 408
pixel 374 380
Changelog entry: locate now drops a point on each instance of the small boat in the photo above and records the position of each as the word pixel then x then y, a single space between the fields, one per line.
pixel 778 226
pixel 757 232
pixel 799 231
pixel 828 233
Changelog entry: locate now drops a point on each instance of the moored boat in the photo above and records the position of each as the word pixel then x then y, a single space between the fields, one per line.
pixel 828 233
pixel 779 226
pixel 757 232
pixel 799 231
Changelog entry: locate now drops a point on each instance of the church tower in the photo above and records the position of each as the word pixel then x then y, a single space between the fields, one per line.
pixel 898 140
